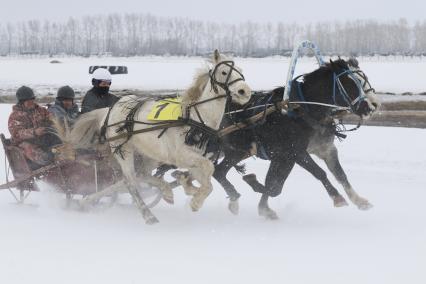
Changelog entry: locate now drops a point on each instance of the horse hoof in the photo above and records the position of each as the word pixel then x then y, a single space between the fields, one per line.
pixel 151 220
pixel 178 174
pixel 195 205
pixel 365 205
pixel 181 177
pixel 169 200
pixel 339 201
pixel 361 203
pixel 268 214
pixel 168 197
pixel 234 207
pixel 272 216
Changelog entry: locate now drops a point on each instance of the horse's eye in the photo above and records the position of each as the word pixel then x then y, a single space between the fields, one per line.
pixel 223 73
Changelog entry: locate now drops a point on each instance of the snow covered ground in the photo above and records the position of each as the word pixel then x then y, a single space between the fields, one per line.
pixel 396 75
pixel 312 242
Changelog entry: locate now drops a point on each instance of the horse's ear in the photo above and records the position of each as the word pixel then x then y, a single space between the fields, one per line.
pixel 216 56
pixel 353 62
pixel 333 65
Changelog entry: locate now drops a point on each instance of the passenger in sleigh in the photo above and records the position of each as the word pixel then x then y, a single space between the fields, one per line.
pixel 64 108
pixel 29 126
pixel 63 112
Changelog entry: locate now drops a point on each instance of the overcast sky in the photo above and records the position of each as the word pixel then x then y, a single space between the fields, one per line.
pixel 233 11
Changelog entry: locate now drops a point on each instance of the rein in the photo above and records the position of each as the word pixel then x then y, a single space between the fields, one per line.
pixel 249 108
pixel 339 108
pixel 194 106
pixel 199 130
pixel 340 128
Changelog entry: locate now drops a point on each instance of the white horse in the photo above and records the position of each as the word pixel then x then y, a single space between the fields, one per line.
pixel 205 101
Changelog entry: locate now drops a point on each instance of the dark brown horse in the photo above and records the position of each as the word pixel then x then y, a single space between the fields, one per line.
pixel 285 139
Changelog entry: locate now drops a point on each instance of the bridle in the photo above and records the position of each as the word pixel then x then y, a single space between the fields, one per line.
pixel 225 86
pixel 355 103
pixel 215 84
pixel 339 89
pixel 364 77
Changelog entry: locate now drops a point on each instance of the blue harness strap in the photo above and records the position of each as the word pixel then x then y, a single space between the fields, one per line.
pixel 301 96
pixel 299 91
pixel 342 92
pixel 291 113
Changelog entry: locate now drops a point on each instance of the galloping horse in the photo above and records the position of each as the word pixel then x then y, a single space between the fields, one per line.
pixel 285 139
pixel 203 104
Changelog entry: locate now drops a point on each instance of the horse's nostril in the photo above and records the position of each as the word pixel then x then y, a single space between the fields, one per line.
pixel 241 92
pixel 375 105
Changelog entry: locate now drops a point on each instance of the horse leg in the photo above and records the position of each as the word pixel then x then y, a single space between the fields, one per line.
pixel 164 186
pixel 145 171
pixel 220 173
pixel 331 158
pixel 185 180
pixel 278 171
pixel 203 175
pixel 128 169
pixel 92 198
pixel 264 210
pixel 201 169
pixel 305 161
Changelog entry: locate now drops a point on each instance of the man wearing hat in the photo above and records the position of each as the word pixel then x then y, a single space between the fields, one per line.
pixel 28 125
pixel 99 96
pixel 64 107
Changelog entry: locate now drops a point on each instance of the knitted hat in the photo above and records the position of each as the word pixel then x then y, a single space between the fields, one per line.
pixel 24 93
pixel 66 92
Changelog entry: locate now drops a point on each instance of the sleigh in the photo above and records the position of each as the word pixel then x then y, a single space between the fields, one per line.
pixel 84 175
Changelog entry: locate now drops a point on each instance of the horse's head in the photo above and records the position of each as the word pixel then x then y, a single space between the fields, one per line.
pixel 227 79
pixel 352 89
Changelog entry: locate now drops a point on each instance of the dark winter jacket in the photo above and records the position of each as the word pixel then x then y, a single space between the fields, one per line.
pixel 61 113
pixel 22 123
pixel 95 100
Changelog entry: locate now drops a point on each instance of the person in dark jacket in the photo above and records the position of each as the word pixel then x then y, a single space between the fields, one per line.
pixel 99 96
pixel 64 107
pixel 29 127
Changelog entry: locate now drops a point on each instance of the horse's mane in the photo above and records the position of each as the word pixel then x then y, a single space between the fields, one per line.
pixel 193 93
pixel 339 64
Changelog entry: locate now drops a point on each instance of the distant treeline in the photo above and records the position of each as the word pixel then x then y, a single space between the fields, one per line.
pixel 144 34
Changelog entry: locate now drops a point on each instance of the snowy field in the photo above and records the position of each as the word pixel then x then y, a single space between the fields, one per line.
pixel 312 242
pixel 396 74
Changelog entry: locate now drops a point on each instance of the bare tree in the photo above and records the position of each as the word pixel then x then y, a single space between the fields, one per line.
pixel 141 34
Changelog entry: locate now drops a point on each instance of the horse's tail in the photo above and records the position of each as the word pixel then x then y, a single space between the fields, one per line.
pixel 87 128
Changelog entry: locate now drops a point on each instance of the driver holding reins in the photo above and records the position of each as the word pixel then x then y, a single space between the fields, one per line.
pixel 99 96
